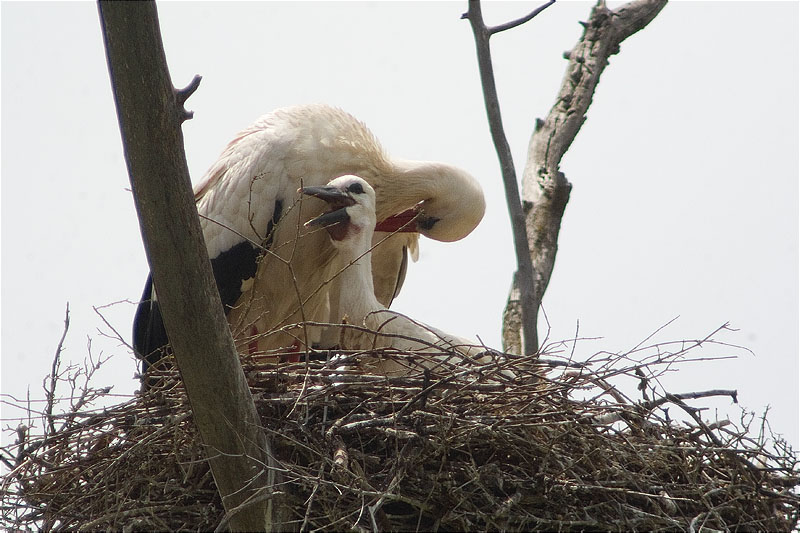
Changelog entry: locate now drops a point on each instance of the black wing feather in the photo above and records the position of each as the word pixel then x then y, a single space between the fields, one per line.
pixel 230 269
pixel 401 274
pixel 149 335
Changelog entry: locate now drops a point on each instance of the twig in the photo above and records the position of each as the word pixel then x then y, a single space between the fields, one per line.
pixel 105 321
pixel 522 20
pixel 54 372
pixel 264 496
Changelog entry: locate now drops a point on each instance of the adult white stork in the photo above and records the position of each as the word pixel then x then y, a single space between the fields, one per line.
pixel 350 223
pixel 270 270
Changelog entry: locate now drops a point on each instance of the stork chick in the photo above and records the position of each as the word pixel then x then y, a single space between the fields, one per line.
pixel 350 224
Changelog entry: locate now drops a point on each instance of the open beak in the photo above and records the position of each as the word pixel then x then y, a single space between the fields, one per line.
pixel 406 222
pixel 330 218
pixel 338 201
pixel 333 195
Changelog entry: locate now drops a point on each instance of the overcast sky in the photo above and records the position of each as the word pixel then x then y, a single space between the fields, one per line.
pixel 685 176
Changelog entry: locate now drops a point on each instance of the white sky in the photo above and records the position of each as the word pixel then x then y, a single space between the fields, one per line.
pixel 685 198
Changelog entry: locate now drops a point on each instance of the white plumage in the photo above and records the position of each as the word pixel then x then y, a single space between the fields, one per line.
pixel 273 272
pixel 350 224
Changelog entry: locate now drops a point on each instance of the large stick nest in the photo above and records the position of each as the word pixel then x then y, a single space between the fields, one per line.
pixel 512 444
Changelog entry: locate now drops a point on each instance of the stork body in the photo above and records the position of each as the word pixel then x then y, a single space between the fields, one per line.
pixel 350 226
pixel 271 271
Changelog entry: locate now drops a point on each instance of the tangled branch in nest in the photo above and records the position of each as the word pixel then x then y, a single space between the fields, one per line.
pixel 513 444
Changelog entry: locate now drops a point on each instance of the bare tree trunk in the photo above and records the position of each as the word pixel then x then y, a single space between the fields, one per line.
pixel 545 189
pixel 150 113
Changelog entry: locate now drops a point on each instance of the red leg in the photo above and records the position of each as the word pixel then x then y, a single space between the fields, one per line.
pixel 252 346
pixel 294 355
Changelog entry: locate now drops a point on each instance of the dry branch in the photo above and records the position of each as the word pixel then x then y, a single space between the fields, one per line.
pixel 545 189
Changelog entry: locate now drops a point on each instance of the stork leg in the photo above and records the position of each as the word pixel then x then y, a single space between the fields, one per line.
pixel 293 355
pixel 252 346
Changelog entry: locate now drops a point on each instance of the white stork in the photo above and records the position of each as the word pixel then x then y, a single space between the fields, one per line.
pixel 350 223
pixel 271 271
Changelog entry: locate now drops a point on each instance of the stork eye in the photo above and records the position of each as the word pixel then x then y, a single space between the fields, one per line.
pixel 355 188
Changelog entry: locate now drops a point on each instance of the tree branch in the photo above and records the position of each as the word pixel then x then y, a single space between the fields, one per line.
pixel 670 397
pixel 524 274
pixel 545 189
pixel 520 21
pixel 150 112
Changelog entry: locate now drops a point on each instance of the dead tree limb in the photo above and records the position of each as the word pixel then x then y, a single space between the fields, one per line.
pixel 524 275
pixel 545 189
pixel 150 113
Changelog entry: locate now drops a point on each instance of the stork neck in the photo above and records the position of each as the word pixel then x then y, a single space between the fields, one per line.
pixel 358 271
pixel 410 182
pixel 450 198
pixel 357 297
pixel 423 178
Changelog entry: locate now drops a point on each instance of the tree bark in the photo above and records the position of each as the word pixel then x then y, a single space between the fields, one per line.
pixel 150 113
pixel 545 189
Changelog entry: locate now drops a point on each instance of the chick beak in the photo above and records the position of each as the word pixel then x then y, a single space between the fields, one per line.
pixel 337 219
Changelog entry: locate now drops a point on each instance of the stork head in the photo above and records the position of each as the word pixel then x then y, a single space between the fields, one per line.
pixel 447 202
pixel 351 212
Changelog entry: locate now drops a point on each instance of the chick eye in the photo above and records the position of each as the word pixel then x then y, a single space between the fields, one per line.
pixel 355 188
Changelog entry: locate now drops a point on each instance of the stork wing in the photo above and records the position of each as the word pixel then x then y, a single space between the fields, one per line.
pixel 242 194
pixel 234 270
pixel 390 263
pixel 401 275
